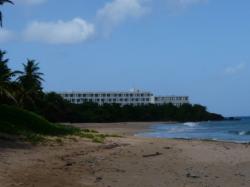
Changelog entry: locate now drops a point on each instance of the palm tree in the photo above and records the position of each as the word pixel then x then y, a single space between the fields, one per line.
pixel 6 76
pixel 30 85
pixel 1 15
pixel 31 78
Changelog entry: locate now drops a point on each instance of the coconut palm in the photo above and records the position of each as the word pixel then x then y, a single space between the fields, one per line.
pixel 1 15
pixel 31 78
pixel 6 76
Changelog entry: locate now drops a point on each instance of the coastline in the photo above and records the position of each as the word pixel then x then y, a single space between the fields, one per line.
pixel 125 161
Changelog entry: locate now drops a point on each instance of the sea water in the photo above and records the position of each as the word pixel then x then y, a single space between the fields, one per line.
pixel 230 131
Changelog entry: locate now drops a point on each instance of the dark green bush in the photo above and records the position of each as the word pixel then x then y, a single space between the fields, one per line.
pixel 15 120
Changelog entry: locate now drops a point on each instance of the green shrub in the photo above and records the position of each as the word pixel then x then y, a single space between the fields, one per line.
pixel 35 128
pixel 14 120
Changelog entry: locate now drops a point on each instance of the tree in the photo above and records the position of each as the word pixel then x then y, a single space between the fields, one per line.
pixel 1 15
pixel 31 78
pixel 30 85
pixel 6 75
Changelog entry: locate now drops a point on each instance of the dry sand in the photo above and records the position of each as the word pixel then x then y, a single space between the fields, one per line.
pixel 124 162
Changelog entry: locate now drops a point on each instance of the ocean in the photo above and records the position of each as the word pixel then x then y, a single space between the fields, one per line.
pixel 228 131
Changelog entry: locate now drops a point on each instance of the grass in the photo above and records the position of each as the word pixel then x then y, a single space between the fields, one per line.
pixel 34 128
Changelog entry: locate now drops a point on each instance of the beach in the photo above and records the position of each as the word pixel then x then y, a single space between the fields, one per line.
pixel 124 161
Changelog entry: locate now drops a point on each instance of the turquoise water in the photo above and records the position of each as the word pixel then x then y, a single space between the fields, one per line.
pixel 229 131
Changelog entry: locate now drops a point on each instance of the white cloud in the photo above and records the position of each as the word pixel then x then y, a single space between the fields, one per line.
pixel 32 2
pixel 60 32
pixel 235 69
pixel 79 30
pixel 117 11
pixel 5 35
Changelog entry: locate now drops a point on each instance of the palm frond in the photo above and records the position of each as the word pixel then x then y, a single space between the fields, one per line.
pixel 1 15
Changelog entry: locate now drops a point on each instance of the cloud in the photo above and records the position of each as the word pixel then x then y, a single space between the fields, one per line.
pixel 235 69
pixel 60 32
pixel 118 11
pixel 5 35
pixel 78 30
pixel 32 2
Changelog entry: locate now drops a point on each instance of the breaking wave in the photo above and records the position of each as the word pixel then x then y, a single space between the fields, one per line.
pixel 191 124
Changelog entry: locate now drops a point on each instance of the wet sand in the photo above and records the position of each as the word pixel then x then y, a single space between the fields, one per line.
pixel 124 162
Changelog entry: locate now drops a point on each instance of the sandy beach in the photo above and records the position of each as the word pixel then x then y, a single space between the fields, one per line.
pixel 128 161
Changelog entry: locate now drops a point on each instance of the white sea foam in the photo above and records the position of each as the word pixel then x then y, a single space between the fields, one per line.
pixel 241 133
pixel 191 124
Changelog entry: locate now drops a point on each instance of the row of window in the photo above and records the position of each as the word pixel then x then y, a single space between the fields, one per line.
pixel 109 100
pixel 171 98
pixel 78 101
pixel 106 95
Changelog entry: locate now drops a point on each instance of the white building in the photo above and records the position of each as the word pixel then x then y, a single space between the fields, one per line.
pixel 175 100
pixel 133 97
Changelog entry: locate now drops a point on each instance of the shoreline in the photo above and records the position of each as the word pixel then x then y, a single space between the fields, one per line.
pixel 126 161
pixel 142 127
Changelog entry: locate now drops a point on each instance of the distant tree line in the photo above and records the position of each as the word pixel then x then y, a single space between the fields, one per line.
pixel 24 89
pixel 92 112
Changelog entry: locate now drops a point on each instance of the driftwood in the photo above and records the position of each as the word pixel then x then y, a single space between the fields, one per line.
pixel 152 155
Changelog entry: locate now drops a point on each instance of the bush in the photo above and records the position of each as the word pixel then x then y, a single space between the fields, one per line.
pixel 15 120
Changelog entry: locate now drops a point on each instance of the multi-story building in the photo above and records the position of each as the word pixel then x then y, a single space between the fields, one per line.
pixel 133 97
pixel 176 100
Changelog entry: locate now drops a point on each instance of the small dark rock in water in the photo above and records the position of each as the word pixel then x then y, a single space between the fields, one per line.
pixel 232 119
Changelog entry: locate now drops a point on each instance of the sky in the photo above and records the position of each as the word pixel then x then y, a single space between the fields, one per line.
pixel 198 48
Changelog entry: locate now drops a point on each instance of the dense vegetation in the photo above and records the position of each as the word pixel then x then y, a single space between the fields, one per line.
pixel 91 112
pixel 32 127
pixel 16 121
